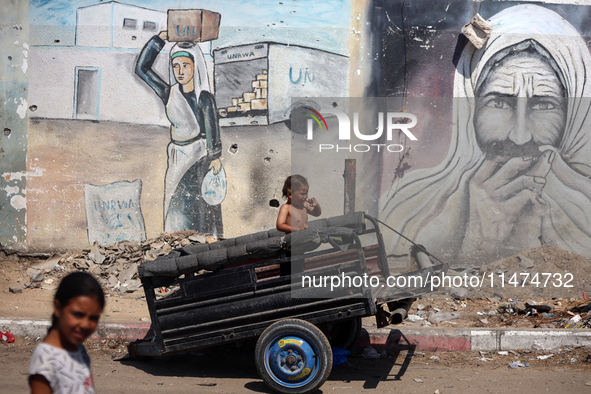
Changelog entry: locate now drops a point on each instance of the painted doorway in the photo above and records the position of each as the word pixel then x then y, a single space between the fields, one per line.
pixel 86 96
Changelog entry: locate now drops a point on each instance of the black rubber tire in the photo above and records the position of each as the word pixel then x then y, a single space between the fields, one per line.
pixel 344 334
pixel 300 328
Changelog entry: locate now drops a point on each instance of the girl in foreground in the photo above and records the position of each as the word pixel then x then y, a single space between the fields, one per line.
pixel 60 364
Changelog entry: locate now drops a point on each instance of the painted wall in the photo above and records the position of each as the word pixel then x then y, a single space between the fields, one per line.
pixel 501 164
pixel 486 178
pixel 13 148
pixel 98 164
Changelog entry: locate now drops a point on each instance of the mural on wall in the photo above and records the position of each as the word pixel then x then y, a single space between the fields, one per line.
pixel 103 105
pixel 516 174
pixel 261 84
pixel 195 146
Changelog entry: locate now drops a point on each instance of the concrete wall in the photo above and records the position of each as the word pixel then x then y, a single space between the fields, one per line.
pixel 452 189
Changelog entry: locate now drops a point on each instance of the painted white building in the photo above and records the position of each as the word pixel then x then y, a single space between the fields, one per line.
pixel 116 25
pixel 95 78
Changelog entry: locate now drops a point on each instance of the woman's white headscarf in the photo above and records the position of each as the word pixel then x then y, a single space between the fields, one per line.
pixel 415 201
pixel 200 75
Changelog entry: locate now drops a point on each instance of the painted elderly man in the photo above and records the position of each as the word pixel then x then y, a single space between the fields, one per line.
pixel 517 174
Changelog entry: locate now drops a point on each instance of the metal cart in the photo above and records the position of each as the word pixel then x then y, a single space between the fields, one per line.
pixel 275 287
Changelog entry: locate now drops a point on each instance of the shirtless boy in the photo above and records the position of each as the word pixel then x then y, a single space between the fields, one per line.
pixel 293 216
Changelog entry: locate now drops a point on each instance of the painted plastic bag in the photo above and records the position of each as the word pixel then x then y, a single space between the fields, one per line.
pixel 7 337
pixel 213 187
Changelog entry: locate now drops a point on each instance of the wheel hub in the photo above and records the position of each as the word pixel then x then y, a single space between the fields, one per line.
pixel 291 359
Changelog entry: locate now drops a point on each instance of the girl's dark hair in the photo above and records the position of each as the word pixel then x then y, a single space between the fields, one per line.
pixel 74 285
pixel 293 182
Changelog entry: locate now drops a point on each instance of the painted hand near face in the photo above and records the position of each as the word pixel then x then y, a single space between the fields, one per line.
pixel 515 182
pixel 569 176
pixel 520 112
pixel 506 203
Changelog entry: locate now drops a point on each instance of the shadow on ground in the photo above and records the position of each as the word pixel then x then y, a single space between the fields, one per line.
pixel 233 362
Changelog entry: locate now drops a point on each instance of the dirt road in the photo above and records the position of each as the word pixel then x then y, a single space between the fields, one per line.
pixel 232 370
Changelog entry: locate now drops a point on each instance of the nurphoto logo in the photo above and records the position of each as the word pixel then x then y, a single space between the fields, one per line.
pixel 394 122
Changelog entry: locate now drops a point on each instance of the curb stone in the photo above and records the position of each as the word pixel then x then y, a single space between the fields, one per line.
pixel 427 339
pixel 482 339
pixel 38 328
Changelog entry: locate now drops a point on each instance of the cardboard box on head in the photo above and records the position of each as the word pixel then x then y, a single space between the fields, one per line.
pixel 193 25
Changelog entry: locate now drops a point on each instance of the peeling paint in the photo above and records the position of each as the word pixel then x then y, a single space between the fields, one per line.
pixel 22 108
pixel 18 202
pixel 12 190
pixel 10 176
pixel 26 55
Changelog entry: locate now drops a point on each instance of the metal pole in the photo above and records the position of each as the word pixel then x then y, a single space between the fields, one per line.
pixel 349 175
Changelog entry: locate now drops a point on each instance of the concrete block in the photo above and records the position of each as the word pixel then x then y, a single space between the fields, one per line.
pixel 511 339
pixel 477 31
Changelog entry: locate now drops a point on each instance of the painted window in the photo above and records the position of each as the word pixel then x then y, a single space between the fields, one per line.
pixel 149 25
pixel 129 23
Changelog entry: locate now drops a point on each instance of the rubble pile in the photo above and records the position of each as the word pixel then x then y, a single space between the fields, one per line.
pixel 501 312
pixel 543 272
pixel 115 266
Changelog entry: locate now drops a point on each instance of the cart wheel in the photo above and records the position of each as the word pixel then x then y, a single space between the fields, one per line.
pixel 344 334
pixel 293 356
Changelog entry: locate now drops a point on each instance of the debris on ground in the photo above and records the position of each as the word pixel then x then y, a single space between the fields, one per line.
pixel 517 364
pixel 369 353
pixel 6 337
pixel 115 266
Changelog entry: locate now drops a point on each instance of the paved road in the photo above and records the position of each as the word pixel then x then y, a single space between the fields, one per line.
pixel 233 371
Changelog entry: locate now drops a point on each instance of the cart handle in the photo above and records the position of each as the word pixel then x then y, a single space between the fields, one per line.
pixel 421 247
